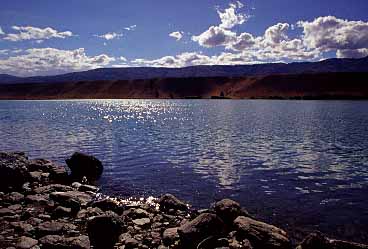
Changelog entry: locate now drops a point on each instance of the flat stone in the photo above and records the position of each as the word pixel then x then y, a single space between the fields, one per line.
pixel 57 241
pixel 142 222
pixel 26 242
pixel 170 235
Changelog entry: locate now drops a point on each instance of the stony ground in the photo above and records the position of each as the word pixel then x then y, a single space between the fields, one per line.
pixel 41 206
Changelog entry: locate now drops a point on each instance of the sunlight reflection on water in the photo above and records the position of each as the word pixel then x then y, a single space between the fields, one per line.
pixel 265 154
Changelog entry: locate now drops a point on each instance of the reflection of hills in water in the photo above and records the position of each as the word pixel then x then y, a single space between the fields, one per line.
pixel 309 146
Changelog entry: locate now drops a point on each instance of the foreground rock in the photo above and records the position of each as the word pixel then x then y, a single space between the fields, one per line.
pixel 82 165
pixel 104 230
pixel 42 207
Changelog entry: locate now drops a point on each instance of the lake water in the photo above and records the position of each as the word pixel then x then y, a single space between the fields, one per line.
pixel 302 165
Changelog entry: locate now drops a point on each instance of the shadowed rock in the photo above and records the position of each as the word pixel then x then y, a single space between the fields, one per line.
pixel 104 230
pixel 13 170
pixel 261 235
pixel 82 165
pixel 202 227
pixel 228 210
pixel 60 242
pixel 168 201
pixel 317 240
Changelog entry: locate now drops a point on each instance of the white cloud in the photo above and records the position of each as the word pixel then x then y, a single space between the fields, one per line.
pixel 230 18
pixel 215 36
pixel 352 53
pixel 4 51
pixel 131 28
pixel 276 34
pixel 177 35
pixel 34 33
pixel 1 31
pixel 242 42
pixel 330 33
pixel 110 36
pixel 46 61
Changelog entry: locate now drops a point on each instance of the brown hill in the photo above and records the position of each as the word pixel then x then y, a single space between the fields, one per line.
pixel 307 86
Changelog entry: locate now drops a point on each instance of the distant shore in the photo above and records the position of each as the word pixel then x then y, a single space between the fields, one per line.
pixel 324 86
pixel 44 206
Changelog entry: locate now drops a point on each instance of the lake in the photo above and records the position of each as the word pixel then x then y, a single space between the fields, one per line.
pixel 302 165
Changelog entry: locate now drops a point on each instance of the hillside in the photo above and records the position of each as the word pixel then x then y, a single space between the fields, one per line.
pixel 133 73
pixel 307 86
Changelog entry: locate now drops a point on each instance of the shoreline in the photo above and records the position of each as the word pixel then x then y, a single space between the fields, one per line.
pixel 42 206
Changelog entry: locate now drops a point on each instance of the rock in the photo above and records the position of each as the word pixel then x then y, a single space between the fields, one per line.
pixel 261 235
pixel 143 222
pixel 136 213
pixel 317 240
pixel 89 212
pixel 53 188
pixel 131 243
pixel 35 176
pixel 170 235
pixel 202 227
pixel 108 204
pixel 82 165
pixel 6 212
pixel 104 230
pixel 60 212
pixel 228 210
pixel 56 173
pixel 54 228
pixel 26 242
pixel 14 197
pixel 168 201
pixel 39 199
pixel 21 226
pixel 60 242
pixel 72 199
pixel 13 170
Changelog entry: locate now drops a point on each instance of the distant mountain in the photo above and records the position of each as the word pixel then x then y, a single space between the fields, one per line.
pixel 280 86
pixel 134 73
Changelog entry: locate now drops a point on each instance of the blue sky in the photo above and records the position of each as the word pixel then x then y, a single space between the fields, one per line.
pixel 48 37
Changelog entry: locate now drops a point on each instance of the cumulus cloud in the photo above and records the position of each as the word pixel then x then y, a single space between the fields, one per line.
pixel 4 51
pixel 34 33
pixel 276 34
pixel 177 35
pixel 230 18
pixel 110 36
pixel 215 36
pixel 46 61
pixel 1 31
pixel 331 33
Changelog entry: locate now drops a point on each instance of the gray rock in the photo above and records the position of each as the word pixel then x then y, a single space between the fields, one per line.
pixel 72 199
pixel 82 165
pixel 202 227
pixel 104 230
pixel 56 173
pixel 6 212
pixel 60 242
pixel 143 222
pixel 89 212
pixel 54 228
pixel 261 235
pixel 61 212
pixel 136 213
pixel 170 235
pixel 26 242
pixel 168 202
pixel 228 210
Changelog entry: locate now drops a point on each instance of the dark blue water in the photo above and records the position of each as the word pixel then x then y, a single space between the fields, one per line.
pixel 302 165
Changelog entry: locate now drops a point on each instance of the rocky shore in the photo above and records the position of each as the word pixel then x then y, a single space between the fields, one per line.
pixel 42 205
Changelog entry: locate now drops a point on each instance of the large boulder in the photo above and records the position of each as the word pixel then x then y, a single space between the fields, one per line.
pixel 261 235
pixel 13 170
pixel 202 227
pixel 228 210
pixel 104 230
pixel 82 165
pixel 317 240
pixel 168 202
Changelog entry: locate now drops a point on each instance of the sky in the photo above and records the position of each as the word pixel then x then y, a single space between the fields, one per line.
pixel 44 37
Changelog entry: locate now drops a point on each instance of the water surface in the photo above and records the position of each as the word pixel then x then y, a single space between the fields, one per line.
pixel 302 165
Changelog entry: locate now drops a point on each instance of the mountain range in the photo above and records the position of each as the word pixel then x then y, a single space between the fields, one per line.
pixel 135 73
